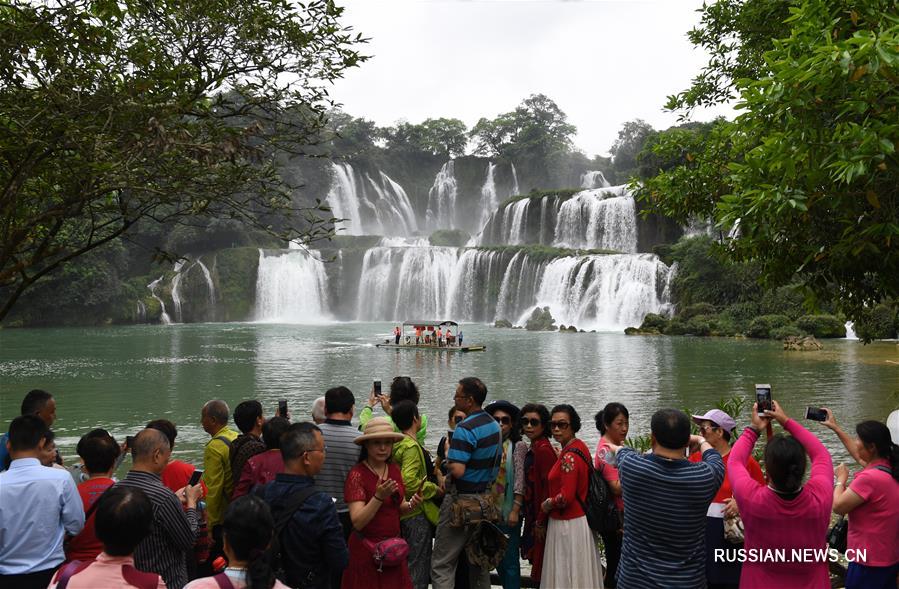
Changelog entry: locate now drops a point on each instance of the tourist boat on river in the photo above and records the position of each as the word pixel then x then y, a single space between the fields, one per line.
pixel 424 336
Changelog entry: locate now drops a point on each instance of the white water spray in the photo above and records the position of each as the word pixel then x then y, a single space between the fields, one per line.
pixel 291 287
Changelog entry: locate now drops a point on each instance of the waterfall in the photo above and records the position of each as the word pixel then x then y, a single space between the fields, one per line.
pixel 176 298
pixel 598 219
pixel 209 285
pixel 291 287
pixel 393 210
pixel 441 213
pixel 163 316
pixel 406 282
pixel 343 198
pixel 594 179
pixel 471 285
pixel 850 330
pixel 403 242
pixel 515 189
pixel 603 292
pixel 489 199
pixel 141 311
pixel 518 288
pixel 517 226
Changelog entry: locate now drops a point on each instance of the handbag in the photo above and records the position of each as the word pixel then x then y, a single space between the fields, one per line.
pixel 387 553
pixel 733 529
pixel 472 509
pixel 838 534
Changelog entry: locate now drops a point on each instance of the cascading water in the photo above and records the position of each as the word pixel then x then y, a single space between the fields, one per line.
pixel 602 292
pixel 473 276
pixel 343 198
pixel 489 199
pixel 393 210
pixel 598 219
pixel 209 284
pixel 163 316
pixel 515 190
pixel 441 213
pixel 594 179
pixel 176 289
pixel 404 282
pixel 519 286
pixel 291 287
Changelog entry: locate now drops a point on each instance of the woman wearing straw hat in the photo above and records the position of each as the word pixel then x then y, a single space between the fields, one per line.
pixel 375 494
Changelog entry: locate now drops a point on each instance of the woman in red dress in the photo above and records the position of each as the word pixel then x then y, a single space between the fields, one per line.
pixel 540 459
pixel 374 493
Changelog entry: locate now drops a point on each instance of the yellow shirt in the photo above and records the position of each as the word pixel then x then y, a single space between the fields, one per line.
pixel 217 475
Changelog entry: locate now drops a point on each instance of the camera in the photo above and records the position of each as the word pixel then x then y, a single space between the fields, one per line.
pixel 763 398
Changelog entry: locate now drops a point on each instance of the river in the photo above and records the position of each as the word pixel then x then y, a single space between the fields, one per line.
pixel 121 377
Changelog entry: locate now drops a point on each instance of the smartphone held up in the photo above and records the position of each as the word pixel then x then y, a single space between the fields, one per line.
pixel 815 414
pixel 763 398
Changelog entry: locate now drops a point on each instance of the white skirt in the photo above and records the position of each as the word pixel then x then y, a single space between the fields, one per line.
pixel 570 557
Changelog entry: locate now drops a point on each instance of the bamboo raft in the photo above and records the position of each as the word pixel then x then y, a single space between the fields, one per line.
pixel 428 327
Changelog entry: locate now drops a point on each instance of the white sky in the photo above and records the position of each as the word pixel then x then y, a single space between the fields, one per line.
pixel 604 63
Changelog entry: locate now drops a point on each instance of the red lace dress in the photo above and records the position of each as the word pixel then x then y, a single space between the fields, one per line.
pixel 362 573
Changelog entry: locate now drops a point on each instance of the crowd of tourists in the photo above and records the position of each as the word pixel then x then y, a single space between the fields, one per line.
pixel 357 501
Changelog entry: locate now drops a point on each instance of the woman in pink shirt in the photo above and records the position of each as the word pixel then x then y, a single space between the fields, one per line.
pixel 872 502
pixel 612 421
pixel 785 521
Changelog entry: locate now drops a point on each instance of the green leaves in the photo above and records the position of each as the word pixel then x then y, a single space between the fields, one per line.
pixel 117 111
pixel 811 173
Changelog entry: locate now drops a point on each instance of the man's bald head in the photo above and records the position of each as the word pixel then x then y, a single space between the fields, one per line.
pixel 151 450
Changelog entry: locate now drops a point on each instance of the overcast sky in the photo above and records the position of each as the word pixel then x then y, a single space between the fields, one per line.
pixel 604 63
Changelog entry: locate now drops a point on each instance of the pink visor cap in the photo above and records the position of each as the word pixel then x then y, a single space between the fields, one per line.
pixel 719 418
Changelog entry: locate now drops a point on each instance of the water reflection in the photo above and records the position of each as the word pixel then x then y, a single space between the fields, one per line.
pixel 121 377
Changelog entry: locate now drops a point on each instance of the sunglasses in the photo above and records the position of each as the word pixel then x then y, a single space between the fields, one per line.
pixel 458 418
pixel 531 421
pixel 560 425
pixel 505 419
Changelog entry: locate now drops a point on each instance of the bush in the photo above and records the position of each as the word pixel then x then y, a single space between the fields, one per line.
pixel 675 327
pixel 822 326
pixel 722 326
pixel 698 309
pixel 654 321
pixel 541 320
pixel 761 327
pixel 785 300
pixel 449 238
pixel 740 315
pixel 876 323
pixel 699 325
pixel 504 323
pixel 786 331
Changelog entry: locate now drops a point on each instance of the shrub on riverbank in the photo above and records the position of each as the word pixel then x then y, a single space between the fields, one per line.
pixel 718 297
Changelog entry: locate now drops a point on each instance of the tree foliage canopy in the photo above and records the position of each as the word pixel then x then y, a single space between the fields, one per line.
pixel 114 112
pixel 809 170
pixel 443 137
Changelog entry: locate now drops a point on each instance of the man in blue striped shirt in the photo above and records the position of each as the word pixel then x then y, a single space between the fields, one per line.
pixel 473 461
pixel 666 498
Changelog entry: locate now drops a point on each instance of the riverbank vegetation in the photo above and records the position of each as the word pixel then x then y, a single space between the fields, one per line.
pixel 804 183
pixel 717 296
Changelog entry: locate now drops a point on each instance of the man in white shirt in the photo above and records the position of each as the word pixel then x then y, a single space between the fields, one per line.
pixel 38 507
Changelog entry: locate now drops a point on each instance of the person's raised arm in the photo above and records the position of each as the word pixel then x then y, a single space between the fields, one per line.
pixel 845 499
pixel 737 472
pixel 831 423
pixel 822 464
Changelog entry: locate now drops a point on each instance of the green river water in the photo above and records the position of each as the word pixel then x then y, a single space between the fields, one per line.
pixel 121 377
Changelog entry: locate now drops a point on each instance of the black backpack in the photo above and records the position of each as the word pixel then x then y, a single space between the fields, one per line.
pixel 599 505
pixel 274 552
